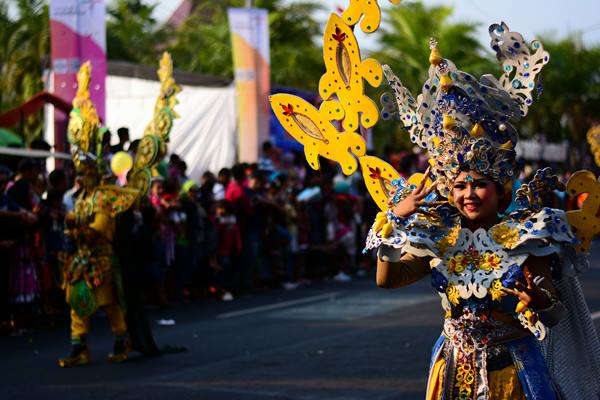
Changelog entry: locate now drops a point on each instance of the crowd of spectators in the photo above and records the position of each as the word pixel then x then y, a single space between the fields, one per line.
pixel 272 224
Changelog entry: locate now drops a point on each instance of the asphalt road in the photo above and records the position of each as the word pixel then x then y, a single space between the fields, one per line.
pixel 324 341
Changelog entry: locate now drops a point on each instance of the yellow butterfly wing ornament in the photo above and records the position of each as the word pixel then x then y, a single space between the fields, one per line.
pixel 313 129
pixel 367 8
pixel 378 176
pixel 345 76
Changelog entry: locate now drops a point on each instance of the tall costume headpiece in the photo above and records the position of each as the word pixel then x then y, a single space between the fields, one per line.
pixel 153 145
pixel 463 122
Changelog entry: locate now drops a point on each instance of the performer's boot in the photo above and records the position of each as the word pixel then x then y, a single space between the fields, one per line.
pixel 121 350
pixel 80 355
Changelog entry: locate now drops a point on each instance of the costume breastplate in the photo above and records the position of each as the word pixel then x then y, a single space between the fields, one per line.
pixel 476 266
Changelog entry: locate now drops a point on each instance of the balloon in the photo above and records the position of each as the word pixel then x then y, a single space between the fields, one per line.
pixel 121 163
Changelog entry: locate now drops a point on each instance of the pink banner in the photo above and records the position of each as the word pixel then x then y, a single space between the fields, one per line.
pixel 78 34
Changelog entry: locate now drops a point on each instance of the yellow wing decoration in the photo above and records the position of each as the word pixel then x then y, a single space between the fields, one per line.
pixel 367 8
pixel 313 129
pixel 113 200
pixel 378 176
pixel 593 138
pixel 345 74
pixel 153 145
pixel 342 88
pixel 586 221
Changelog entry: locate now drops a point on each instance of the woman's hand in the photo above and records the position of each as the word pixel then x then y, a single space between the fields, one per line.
pixel 413 201
pixel 532 295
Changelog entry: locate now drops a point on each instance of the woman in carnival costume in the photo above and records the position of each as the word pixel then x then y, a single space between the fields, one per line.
pixel 516 323
pixel 505 280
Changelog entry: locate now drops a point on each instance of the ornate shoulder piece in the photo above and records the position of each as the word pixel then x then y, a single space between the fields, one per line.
pixel 531 195
pixel 153 145
pixel 520 64
pixel 112 200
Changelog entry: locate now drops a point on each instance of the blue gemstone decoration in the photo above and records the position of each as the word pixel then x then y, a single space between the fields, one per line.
pixel 526 74
pixel 516 45
pixel 516 84
pixel 508 68
pixel 526 65
pixel 469 178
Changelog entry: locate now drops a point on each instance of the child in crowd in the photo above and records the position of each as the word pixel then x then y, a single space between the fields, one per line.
pixel 229 248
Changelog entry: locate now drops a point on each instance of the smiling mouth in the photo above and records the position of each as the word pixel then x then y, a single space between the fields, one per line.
pixel 471 207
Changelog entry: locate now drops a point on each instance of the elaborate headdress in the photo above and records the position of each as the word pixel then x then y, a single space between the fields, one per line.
pixel 463 122
pixel 85 137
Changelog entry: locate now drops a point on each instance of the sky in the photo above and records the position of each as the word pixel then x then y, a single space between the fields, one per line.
pixel 530 17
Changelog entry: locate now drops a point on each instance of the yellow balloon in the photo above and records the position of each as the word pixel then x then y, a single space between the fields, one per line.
pixel 121 163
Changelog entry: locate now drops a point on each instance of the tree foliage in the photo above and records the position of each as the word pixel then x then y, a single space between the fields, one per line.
pixel 203 44
pixel 132 33
pixel 23 56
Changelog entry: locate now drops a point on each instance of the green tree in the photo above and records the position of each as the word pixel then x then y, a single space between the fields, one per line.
pixel 132 34
pixel 569 103
pixel 203 43
pixel 23 55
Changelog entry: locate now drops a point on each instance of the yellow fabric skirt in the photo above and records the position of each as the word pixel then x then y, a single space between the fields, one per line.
pixel 504 384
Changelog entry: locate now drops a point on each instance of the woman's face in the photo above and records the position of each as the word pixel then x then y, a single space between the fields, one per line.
pixel 476 197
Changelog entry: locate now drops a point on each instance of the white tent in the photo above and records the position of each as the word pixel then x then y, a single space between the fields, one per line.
pixel 205 135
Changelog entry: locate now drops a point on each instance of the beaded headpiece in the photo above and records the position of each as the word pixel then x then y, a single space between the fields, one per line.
pixel 466 123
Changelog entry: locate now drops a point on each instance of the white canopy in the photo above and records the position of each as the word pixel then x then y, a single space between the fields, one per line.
pixel 205 135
